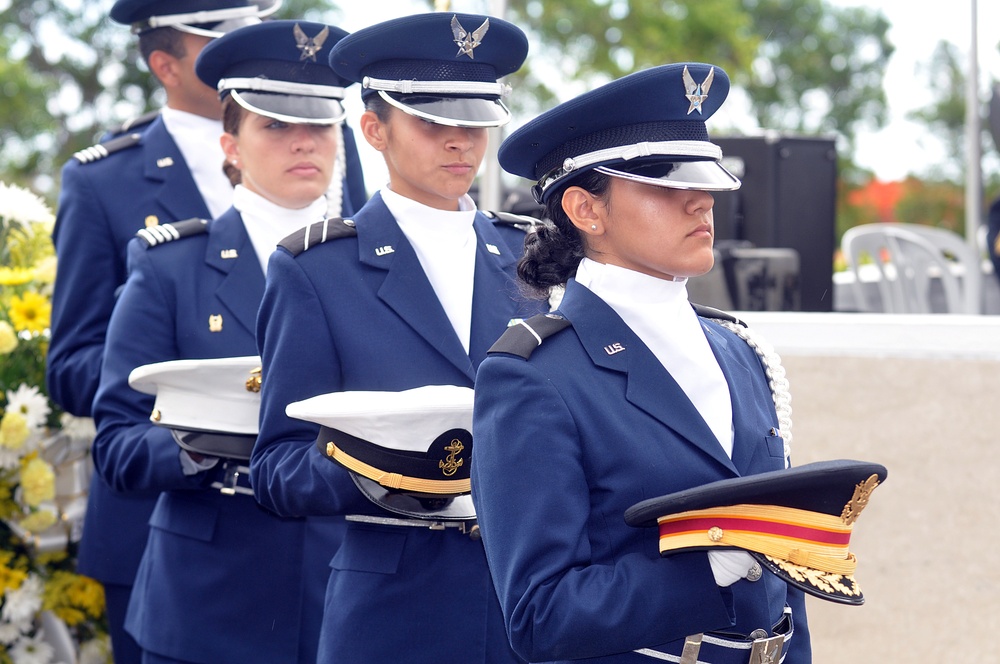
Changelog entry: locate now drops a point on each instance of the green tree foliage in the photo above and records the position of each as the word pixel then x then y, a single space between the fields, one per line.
pixel 68 74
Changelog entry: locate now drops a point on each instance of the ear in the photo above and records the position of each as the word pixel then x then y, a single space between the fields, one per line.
pixel 231 148
pixel 586 211
pixel 374 130
pixel 164 67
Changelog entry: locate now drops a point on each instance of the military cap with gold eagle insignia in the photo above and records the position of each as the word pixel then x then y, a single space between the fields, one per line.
pixel 439 66
pixel 407 451
pixel 796 522
pixel 208 18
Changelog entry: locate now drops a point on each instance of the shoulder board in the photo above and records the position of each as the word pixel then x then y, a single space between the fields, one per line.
pixel 164 233
pixel 109 147
pixel 711 312
pixel 317 233
pixel 134 123
pixel 521 221
pixel 522 339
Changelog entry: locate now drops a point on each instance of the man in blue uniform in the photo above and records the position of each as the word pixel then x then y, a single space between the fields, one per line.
pixel 166 170
pixel 411 291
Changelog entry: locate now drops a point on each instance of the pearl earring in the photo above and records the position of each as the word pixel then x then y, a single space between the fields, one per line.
pixel 593 227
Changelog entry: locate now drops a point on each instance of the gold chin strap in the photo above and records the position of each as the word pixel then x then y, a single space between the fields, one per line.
pixel 395 480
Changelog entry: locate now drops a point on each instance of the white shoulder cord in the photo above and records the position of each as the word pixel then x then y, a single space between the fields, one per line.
pixel 335 193
pixel 776 379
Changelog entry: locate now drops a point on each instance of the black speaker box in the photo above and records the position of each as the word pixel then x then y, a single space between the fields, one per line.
pixel 788 199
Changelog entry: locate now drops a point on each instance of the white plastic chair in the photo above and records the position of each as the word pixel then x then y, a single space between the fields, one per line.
pixel 908 259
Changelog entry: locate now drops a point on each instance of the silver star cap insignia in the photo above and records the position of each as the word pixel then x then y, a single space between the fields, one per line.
pixel 309 46
pixel 465 41
pixel 697 93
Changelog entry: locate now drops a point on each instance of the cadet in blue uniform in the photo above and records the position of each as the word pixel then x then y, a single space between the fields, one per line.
pixel 629 394
pixel 162 171
pixel 222 580
pixel 411 291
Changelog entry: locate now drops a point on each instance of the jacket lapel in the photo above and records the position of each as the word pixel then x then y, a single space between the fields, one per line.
pixel 612 344
pixel 231 253
pixel 164 164
pixel 495 300
pixel 405 289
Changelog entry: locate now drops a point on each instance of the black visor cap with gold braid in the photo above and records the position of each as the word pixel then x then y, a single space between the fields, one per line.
pixel 797 522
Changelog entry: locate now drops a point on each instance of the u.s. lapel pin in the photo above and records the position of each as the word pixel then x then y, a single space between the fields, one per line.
pixel 492 248
pixel 215 323
pixel 228 253
pixel 163 162
pixel 383 251
pixel 613 349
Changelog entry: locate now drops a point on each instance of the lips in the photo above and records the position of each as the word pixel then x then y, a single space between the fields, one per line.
pixel 458 168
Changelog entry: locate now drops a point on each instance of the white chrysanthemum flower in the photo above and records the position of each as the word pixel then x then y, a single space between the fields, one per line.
pixel 12 631
pixel 31 404
pixel 29 650
pixel 96 651
pixel 23 207
pixel 23 603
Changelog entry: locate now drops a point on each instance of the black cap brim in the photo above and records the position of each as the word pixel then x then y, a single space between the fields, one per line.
pixel 431 508
pixel 297 109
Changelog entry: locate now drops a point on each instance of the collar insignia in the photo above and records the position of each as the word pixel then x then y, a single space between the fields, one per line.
pixel 697 93
pixel 309 46
pixel 465 41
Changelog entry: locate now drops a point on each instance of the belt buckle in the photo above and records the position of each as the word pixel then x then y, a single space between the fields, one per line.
pixel 230 479
pixel 767 650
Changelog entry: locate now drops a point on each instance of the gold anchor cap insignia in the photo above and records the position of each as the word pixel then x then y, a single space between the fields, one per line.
pixel 450 464
pixel 309 46
pixel 466 41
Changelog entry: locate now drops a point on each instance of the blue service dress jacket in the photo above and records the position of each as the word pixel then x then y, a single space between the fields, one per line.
pixel 102 203
pixel 565 442
pixel 221 579
pixel 358 313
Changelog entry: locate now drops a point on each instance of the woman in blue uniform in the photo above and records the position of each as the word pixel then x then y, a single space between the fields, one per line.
pixel 221 579
pixel 411 291
pixel 625 393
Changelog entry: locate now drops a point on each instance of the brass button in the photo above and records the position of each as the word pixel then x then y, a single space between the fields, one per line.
pixel 755 572
pixel 715 534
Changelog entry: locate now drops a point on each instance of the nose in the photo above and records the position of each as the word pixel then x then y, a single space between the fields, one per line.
pixel 302 139
pixel 460 139
pixel 700 201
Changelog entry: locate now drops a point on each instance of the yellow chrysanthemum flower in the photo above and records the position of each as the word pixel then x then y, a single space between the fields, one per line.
pixel 39 521
pixel 45 270
pixel 8 338
pixel 31 312
pixel 13 430
pixel 38 482
pixel 73 597
pixel 16 276
pixel 11 579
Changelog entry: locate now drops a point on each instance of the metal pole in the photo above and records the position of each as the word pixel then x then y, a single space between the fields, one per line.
pixel 490 184
pixel 973 130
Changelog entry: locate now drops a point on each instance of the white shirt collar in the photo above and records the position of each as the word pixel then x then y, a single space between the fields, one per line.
pixel 268 223
pixel 197 138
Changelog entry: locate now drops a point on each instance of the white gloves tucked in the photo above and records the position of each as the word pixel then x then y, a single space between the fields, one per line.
pixel 730 566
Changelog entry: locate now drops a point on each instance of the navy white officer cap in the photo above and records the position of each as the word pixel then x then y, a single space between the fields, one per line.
pixel 278 69
pixel 208 18
pixel 796 522
pixel 440 66
pixel 648 126
pixel 212 406
pixel 408 451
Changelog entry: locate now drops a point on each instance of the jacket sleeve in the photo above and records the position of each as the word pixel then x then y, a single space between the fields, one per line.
pixel 90 270
pixel 288 473
pixel 536 504
pixel 130 452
